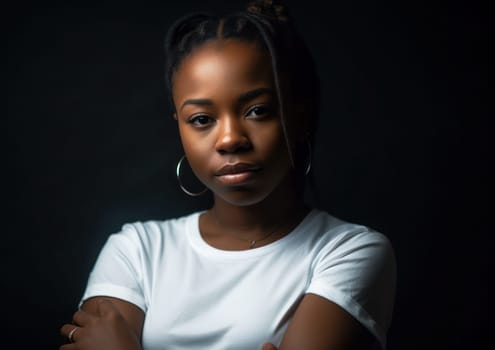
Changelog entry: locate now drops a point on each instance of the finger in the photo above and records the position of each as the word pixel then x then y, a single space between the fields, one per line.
pixel 66 329
pixel 269 346
pixel 70 331
pixel 82 318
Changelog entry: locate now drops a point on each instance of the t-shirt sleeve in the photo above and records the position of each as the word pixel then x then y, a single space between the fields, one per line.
pixel 357 271
pixel 118 271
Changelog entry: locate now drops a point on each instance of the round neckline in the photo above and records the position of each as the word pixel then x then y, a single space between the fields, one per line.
pixel 204 248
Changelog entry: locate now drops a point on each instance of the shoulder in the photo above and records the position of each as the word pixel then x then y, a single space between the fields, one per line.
pixel 334 235
pixel 152 233
pixel 355 267
pixel 354 260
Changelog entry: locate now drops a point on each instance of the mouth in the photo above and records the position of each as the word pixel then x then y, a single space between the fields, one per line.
pixel 237 173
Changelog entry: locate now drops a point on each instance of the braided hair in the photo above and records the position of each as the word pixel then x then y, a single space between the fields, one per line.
pixel 268 24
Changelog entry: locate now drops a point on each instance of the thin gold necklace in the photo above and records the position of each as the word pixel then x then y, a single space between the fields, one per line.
pixel 252 242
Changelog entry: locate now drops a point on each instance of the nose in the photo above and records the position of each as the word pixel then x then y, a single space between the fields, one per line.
pixel 232 136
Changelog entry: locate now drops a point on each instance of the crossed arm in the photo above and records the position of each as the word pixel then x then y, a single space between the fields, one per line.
pixel 318 324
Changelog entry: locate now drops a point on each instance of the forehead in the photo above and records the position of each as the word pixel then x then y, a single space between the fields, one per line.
pixel 226 61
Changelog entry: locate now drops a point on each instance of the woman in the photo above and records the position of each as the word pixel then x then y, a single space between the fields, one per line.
pixel 259 269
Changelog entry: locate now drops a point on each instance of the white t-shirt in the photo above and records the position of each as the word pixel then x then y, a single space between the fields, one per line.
pixel 196 296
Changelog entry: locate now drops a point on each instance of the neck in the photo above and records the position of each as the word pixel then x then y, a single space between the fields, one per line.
pixel 267 220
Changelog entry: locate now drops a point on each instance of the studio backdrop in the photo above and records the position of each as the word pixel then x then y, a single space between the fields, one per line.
pixel 91 145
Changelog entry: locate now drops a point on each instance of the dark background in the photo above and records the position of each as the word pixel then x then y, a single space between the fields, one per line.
pixel 402 146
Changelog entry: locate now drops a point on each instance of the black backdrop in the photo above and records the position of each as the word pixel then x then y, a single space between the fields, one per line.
pixel 401 147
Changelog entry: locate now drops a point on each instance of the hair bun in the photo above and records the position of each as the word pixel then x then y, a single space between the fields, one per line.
pixel 269 8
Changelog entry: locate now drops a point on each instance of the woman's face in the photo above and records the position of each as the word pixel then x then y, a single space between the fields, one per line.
pixel 228 120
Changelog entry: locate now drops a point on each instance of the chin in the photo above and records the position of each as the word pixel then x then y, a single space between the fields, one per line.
pixel 243 197
pixel 256 192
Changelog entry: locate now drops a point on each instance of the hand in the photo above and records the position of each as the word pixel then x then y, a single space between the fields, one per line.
pixel 106 330
pixel 269 346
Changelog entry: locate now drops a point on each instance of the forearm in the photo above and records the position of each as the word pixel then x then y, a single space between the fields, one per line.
pixel 105 324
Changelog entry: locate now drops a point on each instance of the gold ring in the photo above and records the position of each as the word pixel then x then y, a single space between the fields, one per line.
pixel 71 334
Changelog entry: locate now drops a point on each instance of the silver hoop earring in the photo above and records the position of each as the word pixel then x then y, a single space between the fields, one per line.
pixel 308 167
pixel 186 191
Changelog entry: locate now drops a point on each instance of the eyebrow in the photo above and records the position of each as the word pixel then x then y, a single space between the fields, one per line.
pixel 246 96
pixel 255 93
pixel 197 101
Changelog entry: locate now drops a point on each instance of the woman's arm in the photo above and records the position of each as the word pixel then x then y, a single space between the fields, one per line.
pixel 319 324
pixel 133 315
pixel 106 323
pixel 359 271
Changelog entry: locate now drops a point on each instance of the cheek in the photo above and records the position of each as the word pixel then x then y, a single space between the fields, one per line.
pixel 187 138
pixel 196 147
pixel 271 141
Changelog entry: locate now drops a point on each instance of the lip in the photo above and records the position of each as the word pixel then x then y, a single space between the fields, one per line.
pixel 236 173
pixel 236 168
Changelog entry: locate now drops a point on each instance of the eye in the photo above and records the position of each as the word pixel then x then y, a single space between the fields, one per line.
pixel 258 111
pixel 200 120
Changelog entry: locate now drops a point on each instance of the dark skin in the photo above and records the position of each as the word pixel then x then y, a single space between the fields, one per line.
pixel 226 112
